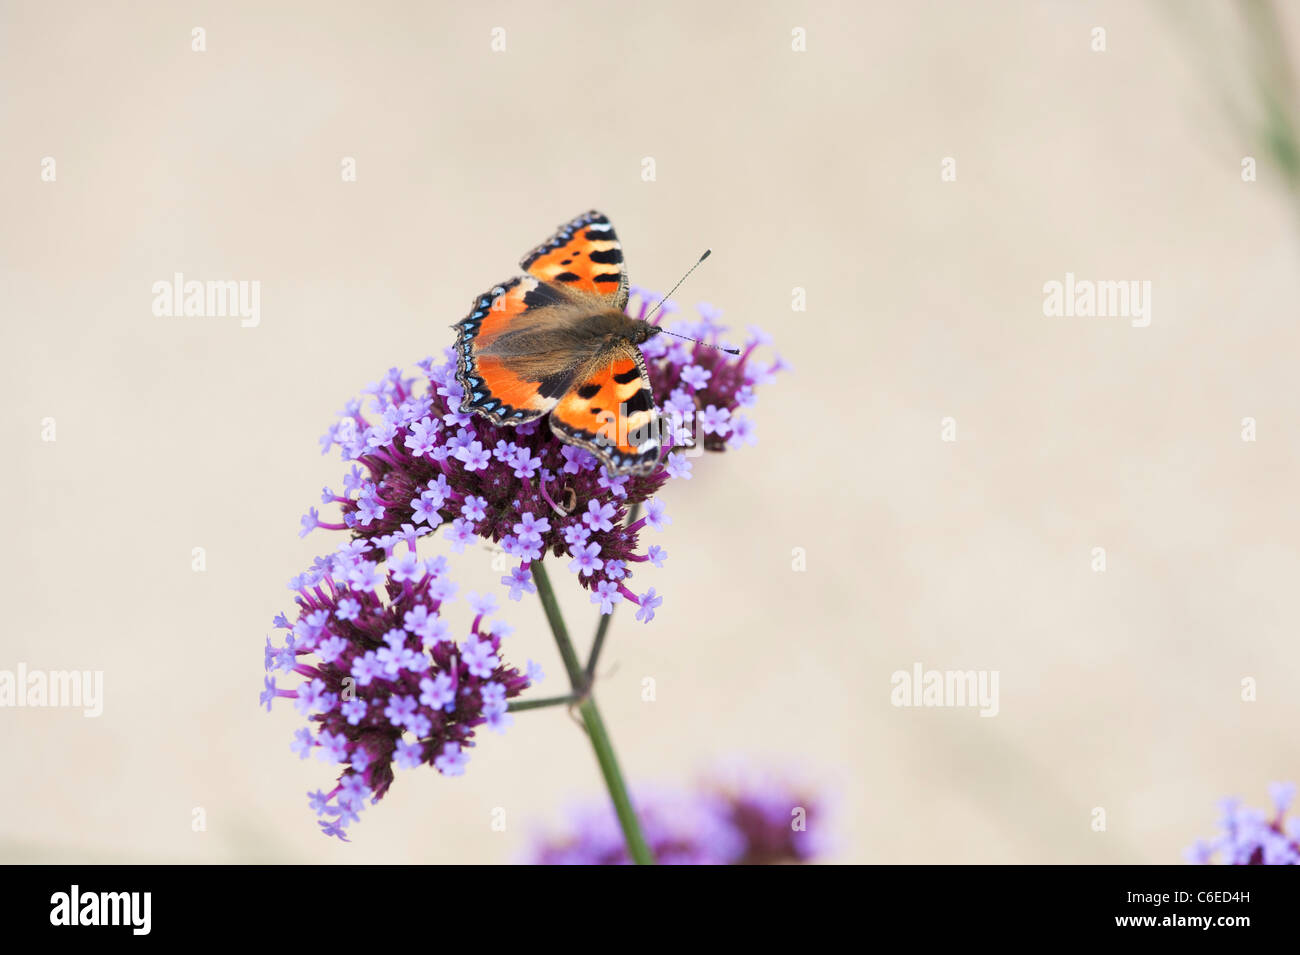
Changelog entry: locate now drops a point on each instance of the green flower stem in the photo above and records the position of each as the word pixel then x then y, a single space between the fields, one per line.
pixel 600 742
pixel 636 844
pixel 601 629
pixel 516 705
pixel 558 628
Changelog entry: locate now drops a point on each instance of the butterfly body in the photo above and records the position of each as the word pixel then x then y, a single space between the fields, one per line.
pixel 556 341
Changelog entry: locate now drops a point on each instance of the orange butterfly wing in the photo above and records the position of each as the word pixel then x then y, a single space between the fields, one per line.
pixel 492 387
pixel 610 412
pixel 584 254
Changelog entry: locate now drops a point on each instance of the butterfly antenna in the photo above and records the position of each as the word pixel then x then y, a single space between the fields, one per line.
pixel 707 253
pixel 729 351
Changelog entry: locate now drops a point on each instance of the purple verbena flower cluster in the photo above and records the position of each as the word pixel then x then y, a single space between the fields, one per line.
pixel 760 821
pixel 389 683
pixel 419 461
pixel 1253 836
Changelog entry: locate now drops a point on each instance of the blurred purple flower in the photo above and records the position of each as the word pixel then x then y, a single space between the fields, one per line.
pixel 754 819
pixel 1252 836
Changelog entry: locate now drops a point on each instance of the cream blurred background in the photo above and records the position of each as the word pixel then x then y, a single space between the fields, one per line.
pixel 816 169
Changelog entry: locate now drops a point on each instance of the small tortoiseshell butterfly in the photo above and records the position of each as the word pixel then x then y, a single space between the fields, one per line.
pixel 557 340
